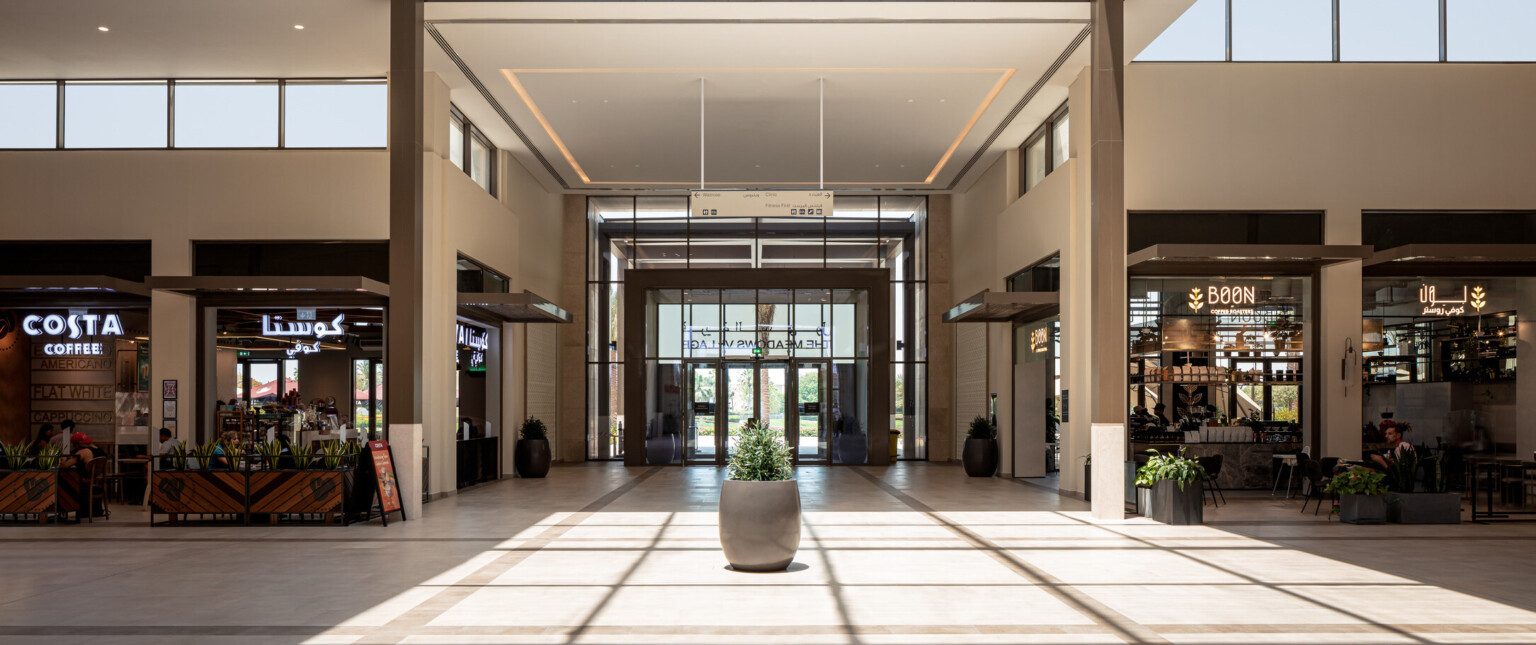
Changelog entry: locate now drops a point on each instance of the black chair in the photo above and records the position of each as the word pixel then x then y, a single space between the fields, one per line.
pixel 1212 467
pixel 1328 464
pixel 1312 475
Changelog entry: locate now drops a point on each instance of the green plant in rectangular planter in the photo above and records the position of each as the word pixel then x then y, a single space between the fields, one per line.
pixel 1173 483
pixel 1415 499
pixel 1362 495
pixel 15 454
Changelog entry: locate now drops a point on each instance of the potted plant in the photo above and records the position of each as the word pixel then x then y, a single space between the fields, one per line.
pixel 1087 478
pixel 1362 495
pixel 531 455
pixel 321 485
pixel 1415 500
pixel 981 455
pixel 852 446
pixel 28 488
pixel 1173 485
pixel 212 486
pixel 760 502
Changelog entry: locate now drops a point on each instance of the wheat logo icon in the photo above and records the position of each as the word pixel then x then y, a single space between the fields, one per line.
pixel 1196 299
pixel 1479 298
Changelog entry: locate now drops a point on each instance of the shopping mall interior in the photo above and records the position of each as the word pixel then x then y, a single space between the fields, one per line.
pixel 497 321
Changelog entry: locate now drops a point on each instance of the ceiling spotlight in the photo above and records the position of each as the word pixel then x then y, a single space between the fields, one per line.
pixel 909 100
pixel 103 28
pixel 299 27
pixel 942 100
pixel 573 100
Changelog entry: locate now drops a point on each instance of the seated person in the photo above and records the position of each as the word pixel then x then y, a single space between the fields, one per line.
pixel 44 437
pixel 85 451
pixel 1160 416
pixel 1396 446
pixel 167 444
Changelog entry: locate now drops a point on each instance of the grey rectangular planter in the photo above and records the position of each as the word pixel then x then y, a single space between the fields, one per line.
pixel 1424 508
pixel 1165 503
pixel 1363 509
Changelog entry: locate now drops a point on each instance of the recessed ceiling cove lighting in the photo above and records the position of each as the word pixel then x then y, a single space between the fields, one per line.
pixel 102 28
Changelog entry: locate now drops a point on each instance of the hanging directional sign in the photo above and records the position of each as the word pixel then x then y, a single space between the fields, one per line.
pixel 761 203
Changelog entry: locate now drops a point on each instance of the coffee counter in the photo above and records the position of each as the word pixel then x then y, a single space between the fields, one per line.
pixel 1245 465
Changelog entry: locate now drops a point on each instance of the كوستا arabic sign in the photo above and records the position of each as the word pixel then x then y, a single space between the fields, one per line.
pixel 1455 304
pixel 318 330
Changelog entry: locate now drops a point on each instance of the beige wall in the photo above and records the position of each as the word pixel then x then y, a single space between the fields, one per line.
pixel 1334 138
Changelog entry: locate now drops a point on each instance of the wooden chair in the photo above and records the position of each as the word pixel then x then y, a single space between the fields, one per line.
pixel 96 484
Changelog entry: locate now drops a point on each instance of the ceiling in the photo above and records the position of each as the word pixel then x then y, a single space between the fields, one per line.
pixel 193 39
pixel 916 96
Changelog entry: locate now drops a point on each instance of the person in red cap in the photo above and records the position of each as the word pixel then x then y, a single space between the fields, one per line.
pixel 85 450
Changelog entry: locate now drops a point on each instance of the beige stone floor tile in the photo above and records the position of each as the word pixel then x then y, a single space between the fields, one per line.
pixel 580 568
pixel 1415 604
pixel 1130 566
pixel 747 606
pixel 524 606
pixel 957 606
pixel 918 567
pixel 1212 604
pixel 708 567
pixel 1285 566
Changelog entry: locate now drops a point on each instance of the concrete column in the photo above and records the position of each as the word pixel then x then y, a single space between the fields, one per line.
pixel 1525 388
pixel 439 278
pixel 1338 361
pixel 514 407
pixel 173 343
pixel 1106 403
pixel 403 357
pixel 570 443
pixel 1077 258
pixel 941 337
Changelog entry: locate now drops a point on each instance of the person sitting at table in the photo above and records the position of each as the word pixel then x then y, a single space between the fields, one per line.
pixel 1162 419
pixel 44 437
pixel 85 451
pixel 1396 446
pixel 167 444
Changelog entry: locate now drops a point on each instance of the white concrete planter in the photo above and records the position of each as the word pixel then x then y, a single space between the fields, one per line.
pixel 760 524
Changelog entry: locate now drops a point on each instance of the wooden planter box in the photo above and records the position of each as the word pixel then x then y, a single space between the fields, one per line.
pixel 29 491
pixel 247 494
pixel 184 492
pixel 301 491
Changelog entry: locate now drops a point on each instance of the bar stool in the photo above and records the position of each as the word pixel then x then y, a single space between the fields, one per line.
pixel 1288 463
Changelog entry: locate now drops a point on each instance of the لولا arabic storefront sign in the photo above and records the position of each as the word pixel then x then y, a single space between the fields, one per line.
pixel 1433 305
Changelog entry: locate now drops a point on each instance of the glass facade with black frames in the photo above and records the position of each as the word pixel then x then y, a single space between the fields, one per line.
pixel 803 343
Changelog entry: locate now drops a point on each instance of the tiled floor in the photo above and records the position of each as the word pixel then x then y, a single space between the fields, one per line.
pixel 916 553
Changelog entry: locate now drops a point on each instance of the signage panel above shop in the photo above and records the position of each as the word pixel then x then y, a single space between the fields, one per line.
pixel 473 344
pixel 769 203
pixel 78 326
pixel 1452 302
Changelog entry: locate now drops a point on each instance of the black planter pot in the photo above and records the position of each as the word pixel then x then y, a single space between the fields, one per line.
pixel 531 457
pixel 1364 509
pixel 1088 482
pixel 980 457
pixel 1424 508
pixel 1166 503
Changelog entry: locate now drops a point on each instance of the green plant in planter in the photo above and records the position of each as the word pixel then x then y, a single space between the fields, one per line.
pixel 271 452
pixel 1170 466
pixel 48 458
pixel 204 453
pixel 179 453
pixel 303 456
pixel 981 428
pixel 15 454
pixel 232 454
pixel 533 429
pixel 333 454
pixel 761 455
pixel 1358 481
pixel 1434 473
pixel 353 448
pixel 1403 471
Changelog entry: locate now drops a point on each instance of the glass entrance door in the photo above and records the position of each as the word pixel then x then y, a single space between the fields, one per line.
pixel 740 404
pixel 809 435
pixel 703 434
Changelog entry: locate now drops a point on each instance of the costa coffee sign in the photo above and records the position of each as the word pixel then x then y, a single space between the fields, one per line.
pixel 77 327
